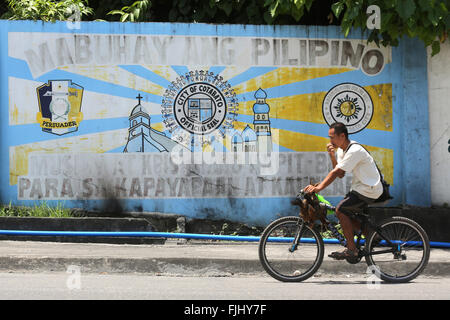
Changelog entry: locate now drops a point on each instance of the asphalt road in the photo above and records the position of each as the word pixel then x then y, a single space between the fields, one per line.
pixel 74 285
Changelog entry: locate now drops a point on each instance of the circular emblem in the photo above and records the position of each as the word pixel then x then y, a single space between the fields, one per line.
pixel 60 107
pixel 200 108
pixel 198 103
pixel 350 104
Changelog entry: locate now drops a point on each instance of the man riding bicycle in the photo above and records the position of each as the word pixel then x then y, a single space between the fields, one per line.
pixel 349 156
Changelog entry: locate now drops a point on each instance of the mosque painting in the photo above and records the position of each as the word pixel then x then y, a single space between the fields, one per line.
pixel 258 139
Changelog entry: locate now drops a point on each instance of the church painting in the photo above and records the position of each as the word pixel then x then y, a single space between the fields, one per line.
pixel 142 137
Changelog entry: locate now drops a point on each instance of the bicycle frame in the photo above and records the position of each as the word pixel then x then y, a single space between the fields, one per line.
pixel 365 222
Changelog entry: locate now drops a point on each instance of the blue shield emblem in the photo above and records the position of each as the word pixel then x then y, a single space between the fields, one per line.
pixel 59 106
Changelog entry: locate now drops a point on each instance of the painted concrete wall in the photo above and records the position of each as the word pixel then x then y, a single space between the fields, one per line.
pixel 224 121
pixel 439 100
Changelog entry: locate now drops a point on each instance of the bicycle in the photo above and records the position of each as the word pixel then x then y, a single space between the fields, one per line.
pixel 291 248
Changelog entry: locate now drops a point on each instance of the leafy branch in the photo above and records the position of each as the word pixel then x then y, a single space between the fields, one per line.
pixel 429 20
pixel 47 10
pixel 135 12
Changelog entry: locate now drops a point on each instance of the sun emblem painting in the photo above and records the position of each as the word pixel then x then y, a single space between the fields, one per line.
pixel 350 104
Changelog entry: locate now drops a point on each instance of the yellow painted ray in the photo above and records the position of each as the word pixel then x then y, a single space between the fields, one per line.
pixel 227 142
pixel 304 107
pixel 381 95
pixel 239 125
pixel 285 75
pixel 232 71
pixel 385 161
pixel 95 143
pixel 207 148
pixel 117 75
pixel 166 72
pixel 308 107
pixel 158 126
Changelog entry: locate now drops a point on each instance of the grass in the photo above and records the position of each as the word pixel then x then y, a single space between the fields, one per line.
pixel 43 210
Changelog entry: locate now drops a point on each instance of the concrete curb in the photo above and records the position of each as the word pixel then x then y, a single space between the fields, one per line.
pixel 181 266
pixel 174 258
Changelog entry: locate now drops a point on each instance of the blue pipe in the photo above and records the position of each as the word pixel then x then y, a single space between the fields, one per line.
pixel 127 234
pixel 152 234
pixel 170 235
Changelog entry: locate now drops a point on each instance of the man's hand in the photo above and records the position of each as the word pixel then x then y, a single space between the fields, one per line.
pixel 311 189
pixel 331 150
pixel 332 153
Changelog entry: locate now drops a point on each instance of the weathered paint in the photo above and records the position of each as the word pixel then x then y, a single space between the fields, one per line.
pixel 439 97
pixel 254 88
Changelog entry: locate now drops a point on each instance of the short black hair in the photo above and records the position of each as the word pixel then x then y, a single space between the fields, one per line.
pixel 339 128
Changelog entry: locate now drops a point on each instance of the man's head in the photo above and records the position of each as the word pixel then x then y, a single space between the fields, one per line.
pixel 338 134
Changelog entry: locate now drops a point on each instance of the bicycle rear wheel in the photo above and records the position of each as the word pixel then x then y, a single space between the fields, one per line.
pixel 404 256
pixel 286 259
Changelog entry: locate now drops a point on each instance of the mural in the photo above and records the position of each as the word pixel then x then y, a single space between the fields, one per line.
pixel 220 121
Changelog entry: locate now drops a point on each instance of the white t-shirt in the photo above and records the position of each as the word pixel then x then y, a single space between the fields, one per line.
pixel 366 178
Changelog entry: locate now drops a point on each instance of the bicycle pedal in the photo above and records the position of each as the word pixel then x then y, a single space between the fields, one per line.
pixel 353 260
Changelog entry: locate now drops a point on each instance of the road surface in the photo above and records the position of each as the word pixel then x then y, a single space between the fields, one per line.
pixel 75 285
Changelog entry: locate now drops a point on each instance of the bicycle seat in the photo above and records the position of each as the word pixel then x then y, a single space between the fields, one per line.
pixel 379 204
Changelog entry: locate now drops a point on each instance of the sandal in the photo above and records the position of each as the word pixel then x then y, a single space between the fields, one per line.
pixel 347 253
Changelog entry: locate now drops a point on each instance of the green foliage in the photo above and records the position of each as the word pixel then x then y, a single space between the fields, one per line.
pixel 42 210
pixel 294 8
pixel 46 10
pixel 429 20
pixel 134 13
pixel 237 11
pixel 216 11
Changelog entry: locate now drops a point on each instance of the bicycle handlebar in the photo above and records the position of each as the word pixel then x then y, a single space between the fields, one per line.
pixel 302 194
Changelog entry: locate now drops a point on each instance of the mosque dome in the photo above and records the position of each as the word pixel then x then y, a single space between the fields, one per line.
pixel 260 94
pixel 261 106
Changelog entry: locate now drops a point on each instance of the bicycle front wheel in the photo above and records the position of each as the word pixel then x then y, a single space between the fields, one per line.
pixel 289 250
pixel 399 251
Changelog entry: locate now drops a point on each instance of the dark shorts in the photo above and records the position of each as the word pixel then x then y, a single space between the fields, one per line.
pixel 353 203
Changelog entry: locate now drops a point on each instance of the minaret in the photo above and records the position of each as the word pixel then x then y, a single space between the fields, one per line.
pixel 261 122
